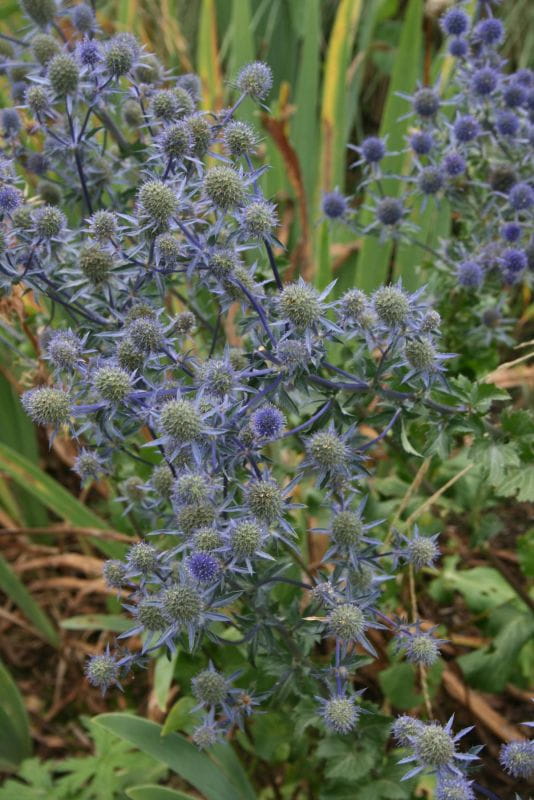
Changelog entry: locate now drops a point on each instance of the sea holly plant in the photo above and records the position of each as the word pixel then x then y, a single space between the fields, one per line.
pixel 212 390
pixel 468 163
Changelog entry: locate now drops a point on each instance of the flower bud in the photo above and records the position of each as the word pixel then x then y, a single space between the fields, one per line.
pixel 102 671
pixel 340 714
pixel 182 604
pixel 265 500
pixel 63 74
pixel 47 406
pixel 255 79
pixel 299 303
pixel 157 201
pixel 346 622
pixel 391 305
pixel 246 538
pixel 113 384
pixel 224 187
pixel 44 47
pixel 41 12
pixel 180 420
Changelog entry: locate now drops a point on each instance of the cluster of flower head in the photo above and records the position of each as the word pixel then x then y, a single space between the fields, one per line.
pixel 115 213
pixel 471 148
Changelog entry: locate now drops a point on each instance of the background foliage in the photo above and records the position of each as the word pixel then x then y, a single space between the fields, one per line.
pixel 338 67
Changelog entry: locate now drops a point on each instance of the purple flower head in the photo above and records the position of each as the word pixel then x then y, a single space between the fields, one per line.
pixel 390 211
pixel 507 123
pixel 10 199
pixel 455 22
pixel 490 31
pixel 267 422
pixel 89 52
pixel 514 95
pixel 10 121
pixel 203 567
pixel 524 77
pixel 421 142
pixel 426 102
pixel 458 47
pixel 373 149
pixel 466 128
pixel 514 261
pixel 521 197
pixel 454 164
pixel 511 232
pixel 334 205
pixel 430 180
pixel 517 759
pixel 484 81
pixel 470 274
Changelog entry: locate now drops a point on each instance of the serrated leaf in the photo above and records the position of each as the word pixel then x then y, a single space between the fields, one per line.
pixel 483 587
pixel 490 668
pixel 351 767
pixel 520 483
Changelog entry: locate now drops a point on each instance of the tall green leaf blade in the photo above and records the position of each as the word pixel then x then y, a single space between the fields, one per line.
pixel 20 434
pixel 15 740
pixel 208 65
pixel 374 257
pixel 224 755
pixel 333 108
pixel 242 49
pixel 53 496
pixel 176 752
pixel 304 132
pixel 11 585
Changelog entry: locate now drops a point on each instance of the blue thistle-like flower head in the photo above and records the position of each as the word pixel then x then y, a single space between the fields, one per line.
pixel 334 205
pixel 484 81
pixel 340 713
pixel 466 128
pixel 470 274
pixel 458 47
pixel 267 422
pixel 490 31
pixel 203 567
pixel 102 671
pixel 421 142
pixel 455 22
pixel 517 759
pixel 255 79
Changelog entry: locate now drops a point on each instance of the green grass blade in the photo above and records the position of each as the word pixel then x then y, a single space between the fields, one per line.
pixel 374 257
pixel 176 752
pixel 15 740
pixel 97 622
pixel 20 435
pixel 242 49
pixel 153 792
pixel 208 65
pixel 11 585
pixel 333 110
pixel 304 132
pixel 52 495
